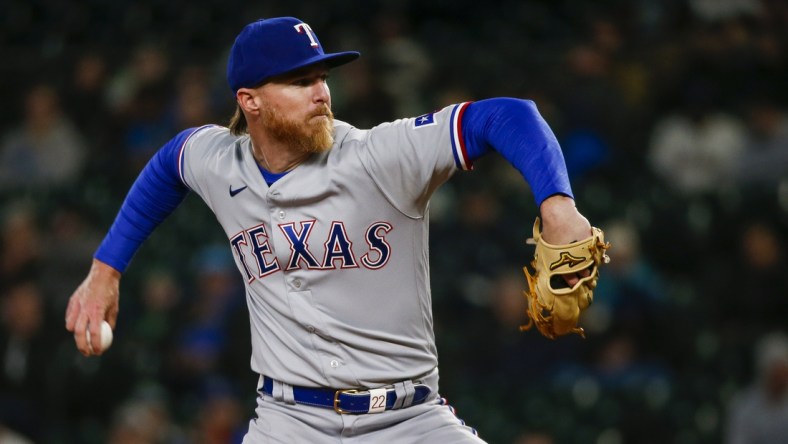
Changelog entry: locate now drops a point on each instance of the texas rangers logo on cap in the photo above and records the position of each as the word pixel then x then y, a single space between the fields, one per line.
pixel 271 47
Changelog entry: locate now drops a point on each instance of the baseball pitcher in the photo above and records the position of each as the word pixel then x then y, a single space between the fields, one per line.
pixel 328 225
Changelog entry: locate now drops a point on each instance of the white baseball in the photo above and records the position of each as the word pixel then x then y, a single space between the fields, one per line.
pixel 106 336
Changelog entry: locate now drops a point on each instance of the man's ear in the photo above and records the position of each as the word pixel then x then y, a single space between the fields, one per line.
pixel 248 100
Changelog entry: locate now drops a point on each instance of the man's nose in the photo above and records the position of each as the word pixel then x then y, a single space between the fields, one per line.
pixel 321 92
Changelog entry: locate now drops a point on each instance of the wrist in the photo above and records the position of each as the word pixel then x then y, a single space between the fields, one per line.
pixel 556 206
pixel 102 270
pixel 562 223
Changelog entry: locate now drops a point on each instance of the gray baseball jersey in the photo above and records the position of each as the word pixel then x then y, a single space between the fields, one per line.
pixel 335 253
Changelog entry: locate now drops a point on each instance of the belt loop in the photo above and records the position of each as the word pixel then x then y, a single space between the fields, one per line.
pixel 410 390
pixel 287 393
pixel 277 391
pixel 399 389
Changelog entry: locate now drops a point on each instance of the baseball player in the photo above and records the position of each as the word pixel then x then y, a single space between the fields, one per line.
pixel 328 225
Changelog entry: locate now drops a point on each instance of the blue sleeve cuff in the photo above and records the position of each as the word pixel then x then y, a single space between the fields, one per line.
pixel 157 191
pixel 515 129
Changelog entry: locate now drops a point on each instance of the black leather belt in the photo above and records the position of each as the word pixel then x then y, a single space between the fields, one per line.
pixel 351 401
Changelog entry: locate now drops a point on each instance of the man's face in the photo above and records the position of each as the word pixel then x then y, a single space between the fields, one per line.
pixel 296 109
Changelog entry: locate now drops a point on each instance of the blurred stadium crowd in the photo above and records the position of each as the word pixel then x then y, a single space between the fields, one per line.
pixel 673 118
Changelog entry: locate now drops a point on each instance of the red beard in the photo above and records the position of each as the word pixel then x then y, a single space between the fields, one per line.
pixel 311 136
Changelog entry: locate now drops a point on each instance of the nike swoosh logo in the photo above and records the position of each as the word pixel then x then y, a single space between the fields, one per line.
pixel 236 191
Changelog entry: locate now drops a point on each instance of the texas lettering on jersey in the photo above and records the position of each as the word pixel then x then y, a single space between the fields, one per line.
pixel 253 248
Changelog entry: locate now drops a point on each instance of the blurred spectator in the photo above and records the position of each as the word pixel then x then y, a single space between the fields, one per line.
pixel 148 67
pixel 759 413
pixel 632 291
pixel 361 99
pixel 144 419
pixel 588 137
pixel 46 150
pixel 147 127
pixel 220 418
pixel 507 301
pixel 618 365
pixel 215 296
pixel 515 354
pixel 21 247
pixel 85 99
pixel 85 102
pixel 726 57
pixel 765 161
pixel 404 63
pixel 25 354
pixel 694 149
pixel 751 292
pixel 70 242
pixel 627 67
pixel 151 331
pixel 139 95
pixel 192 105
pixel 617 370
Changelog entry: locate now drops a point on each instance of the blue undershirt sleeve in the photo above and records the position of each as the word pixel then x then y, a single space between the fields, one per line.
pixel 515 129
pixel 155 194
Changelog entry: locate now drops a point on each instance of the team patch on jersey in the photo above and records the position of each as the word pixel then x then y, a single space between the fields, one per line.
pixel 424 120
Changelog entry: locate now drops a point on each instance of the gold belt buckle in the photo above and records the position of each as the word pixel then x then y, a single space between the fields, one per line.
pixel 337 408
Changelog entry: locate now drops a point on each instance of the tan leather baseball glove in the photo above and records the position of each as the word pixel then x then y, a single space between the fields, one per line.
pixel 553 306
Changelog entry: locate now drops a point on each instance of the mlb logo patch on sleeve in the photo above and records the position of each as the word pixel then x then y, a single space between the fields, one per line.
pixel 424 120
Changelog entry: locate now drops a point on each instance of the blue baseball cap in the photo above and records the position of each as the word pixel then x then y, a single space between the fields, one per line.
pixel 274 46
